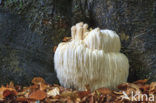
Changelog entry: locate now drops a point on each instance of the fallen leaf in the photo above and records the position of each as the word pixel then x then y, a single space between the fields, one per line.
pixel 123 86
pixel 54 49
pixel 11 85
pixel 38 95
pixel 4 92
pixel 66 39
pixel 1 92
pixel 82 94
pixel 68 94
pixel 38 80
pixel 43 86
pixel 118 92
pixel 23 99
pixel 136 87
pixel 141 81
pixel 53 92
pixel 104 91
pixel 129 91
pixel 152 88
pixel 145 88
pixel 8 92
pixel 91 100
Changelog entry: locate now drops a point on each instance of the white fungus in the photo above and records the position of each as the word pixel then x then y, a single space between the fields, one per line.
pixel 91 57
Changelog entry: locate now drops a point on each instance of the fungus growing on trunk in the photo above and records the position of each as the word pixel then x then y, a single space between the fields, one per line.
pixel 91 57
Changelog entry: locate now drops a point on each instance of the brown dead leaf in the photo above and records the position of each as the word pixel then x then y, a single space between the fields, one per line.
pixel 33 87
pixel 82 94
pixel 11 85
pixel 145 88
pixel 54 49
pixel 4 92
pixel 129 91
pixel 136 87
pixel 66 94
pixel 152 88
pixel 123 86
pixel 1 92
pixel 104 91
pixel 38 95
pixel 43 86
pixel 91 100
pixel 66 39
pixel 118 92
pixel 9 92
pixel 108 98
pixel 23 99
pixel 141 81
pixel 38 80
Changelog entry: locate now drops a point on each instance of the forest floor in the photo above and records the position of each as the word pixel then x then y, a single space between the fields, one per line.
pixel 41 92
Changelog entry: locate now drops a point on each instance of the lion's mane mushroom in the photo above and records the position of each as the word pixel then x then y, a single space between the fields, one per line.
pixel 91 57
